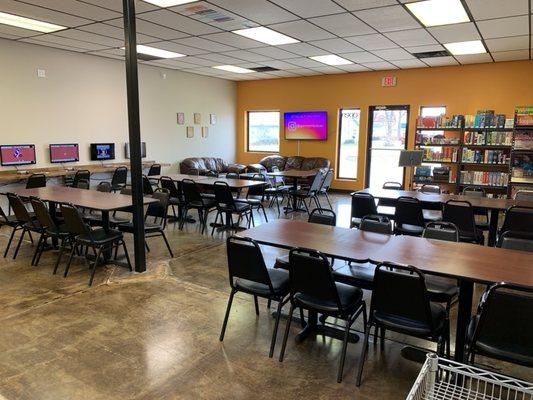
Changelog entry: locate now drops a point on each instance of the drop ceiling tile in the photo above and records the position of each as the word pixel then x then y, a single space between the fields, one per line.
pixel 91 37
pixel 474 58
pixel 305 62
pixel 140 6
pixel 383 65
pixel 354 5
pixel 361 57
pixel 455 33
pixel 283 65
pixel 71 42
pixel 440 61
pixel 302 30
pixel 423 49
pixel 511 55
pixel 353 68
pixel 78 8
pixel 202 62
pixel 274 52
pixel 310 8
pixel 151 29
pixel 413 37
pixel 204 44
pixel 55 45
pixel 336 46
pixel 393 54
pixel 246 55
pixel 329 70
pixel 372 42
pixel 509 43
pixel 106 55
pixel 305 72
pixel 114 32
pixel 232 39
pixel 343 25
pixel 213 15
pixel 220 58
pixel 177 48
pixel 8 36
pixel 260 11
pixel 17 32
pixel 405 64
pixel 41 14
pixel 502 27
pixel 303 49
pixel 176 63
pixel 486 9
pixel 283 74
pixel 178 22
pixel 388 19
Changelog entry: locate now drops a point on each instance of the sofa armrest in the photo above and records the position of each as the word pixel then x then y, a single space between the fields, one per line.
pixel 237 168
pixel 256 168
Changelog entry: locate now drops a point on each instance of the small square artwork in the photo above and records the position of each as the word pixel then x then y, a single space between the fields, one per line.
pixel 205 132
pixel 212 119
pixel 197 118
pixel 190 132
pixel 181 118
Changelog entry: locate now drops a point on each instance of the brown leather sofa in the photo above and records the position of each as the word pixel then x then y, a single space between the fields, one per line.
pixel 205 165
pixel 291 162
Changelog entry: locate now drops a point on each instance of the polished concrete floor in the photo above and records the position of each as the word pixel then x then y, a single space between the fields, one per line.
pixel 155 335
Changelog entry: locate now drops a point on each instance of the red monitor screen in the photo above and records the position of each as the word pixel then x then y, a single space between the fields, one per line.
pixel 60 153
pixel 17 154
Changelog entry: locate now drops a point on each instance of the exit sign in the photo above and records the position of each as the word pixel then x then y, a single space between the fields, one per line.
pixel 388 81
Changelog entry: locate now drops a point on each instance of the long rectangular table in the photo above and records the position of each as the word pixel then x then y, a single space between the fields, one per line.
pixel 493 205
pixel 468 263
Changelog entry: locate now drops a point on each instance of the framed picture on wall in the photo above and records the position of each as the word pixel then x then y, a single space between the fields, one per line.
pixel 181 118
pixel 205 132
pixel 190 132
pixel 197 118
pixel 212 119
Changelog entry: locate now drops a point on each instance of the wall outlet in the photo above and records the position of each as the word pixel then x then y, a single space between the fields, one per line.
pixel 41 73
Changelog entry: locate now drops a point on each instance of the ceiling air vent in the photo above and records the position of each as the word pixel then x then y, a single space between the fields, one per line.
pixel 264 69
pixel 431 54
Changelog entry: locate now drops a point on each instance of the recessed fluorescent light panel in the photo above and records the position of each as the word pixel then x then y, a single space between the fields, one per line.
pixel 168 3
pixel 463 48
pixel 331 59
pixel 28 23
pixel 439 12
pixel 152 51
pixel 233 68
pixel 265 35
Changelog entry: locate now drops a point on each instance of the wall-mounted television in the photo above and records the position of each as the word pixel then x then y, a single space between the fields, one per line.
pixel 17 154
pixel 127 150
pixel 64 152
pixel 102 151
pixel 306 125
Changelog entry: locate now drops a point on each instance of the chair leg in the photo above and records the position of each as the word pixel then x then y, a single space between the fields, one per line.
pixel 382 338
pixel 252 218
pixel 256 306
pixel 214 223
pixel 276 325
pixel 69 260
pixel 37 249
pixel 168 244
pixel 286 335
pixel 327 199
pixel 19 243
pixel 127 255
pixel 264 212
pixel 344 347
pixel 363 355
pixel 61 248
pixel 95 264
pixel 9 242
pixel 228 309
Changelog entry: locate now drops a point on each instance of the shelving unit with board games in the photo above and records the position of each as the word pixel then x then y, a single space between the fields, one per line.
pixel 522 151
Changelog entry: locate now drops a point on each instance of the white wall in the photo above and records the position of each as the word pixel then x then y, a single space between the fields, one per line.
pixel 83 100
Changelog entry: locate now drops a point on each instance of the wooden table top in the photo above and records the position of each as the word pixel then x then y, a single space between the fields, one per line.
pixel 91 199
pixel 481 202
pixel 294 173
pixel 232 183
pixel 458 260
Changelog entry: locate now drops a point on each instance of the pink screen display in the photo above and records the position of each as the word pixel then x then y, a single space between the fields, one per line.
pixel 63 152
pixel 306 125
pixel 18 154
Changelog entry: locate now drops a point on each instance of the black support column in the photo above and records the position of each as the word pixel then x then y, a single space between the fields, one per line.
pixel 134 133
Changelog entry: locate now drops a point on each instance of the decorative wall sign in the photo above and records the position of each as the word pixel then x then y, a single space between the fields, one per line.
pixel 205 132
pixel 181 118
pixel 190 132
pixel 212 119
pixel 197 118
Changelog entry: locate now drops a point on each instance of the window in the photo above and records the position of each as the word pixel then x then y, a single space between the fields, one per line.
pixel 348 143
pixel 263 131
pixel 429 111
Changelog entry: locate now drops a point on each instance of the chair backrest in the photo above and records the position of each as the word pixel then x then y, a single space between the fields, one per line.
pixel 326 182
pixel 258 190
pixel 509 332
pixel 400 292
pixel 81 174
pixel 441 231
pixel 518 218
pixel 430 189
pixel 147 186
pixel 316 182
pixel 42 213
pixel 310 274
pixel 232 175
pixel 323 216
pixel 460 213
pixel 377 224
pixel 191 193
pixel 363 204
pixel 120 176
pixel 393 186
pixel 36 181
pixel 276 180
pixel 83 184
pixel 159 210
pixel 104 187
pixel 473 191
pixel 525 195
pixel 408 211
pixel 20 211
pixel 245 261
pixel 155 169
pixel 167 183
pixel 223 194
pixel 73 220
pixel 516 241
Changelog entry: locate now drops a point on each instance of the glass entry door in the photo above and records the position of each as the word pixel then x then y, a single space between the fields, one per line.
pixel 387 136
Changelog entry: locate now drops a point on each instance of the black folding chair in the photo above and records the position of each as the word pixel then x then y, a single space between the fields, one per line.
pixel 363 204
pixel 227 205
pixel 27 222
pixel 36 181
pixel 193 200
pixel 119 179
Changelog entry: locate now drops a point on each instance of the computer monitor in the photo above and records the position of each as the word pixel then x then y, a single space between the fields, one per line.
pixel 127 150
pixel 102 151
pixel 17 154
pixel 65 152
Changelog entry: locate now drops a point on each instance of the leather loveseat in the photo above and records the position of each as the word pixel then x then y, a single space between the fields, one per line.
pixel 290 162
pixel 206 165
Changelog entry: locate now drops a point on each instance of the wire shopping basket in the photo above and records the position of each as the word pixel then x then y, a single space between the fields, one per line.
pixel 442 379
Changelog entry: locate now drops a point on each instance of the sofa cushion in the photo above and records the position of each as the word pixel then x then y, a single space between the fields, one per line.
pixel 255 168
pixel 275 160
pixel 236 168
pixel 205 164
pixel 294 162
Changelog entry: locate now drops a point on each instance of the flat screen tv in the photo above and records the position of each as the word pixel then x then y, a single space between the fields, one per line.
pixel 127 150
pixel 64 152
pixel 307 125
pixel 102 151
pixel 17 154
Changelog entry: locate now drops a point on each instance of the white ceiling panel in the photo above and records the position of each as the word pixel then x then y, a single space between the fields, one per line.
pixel 455 33
pixel 422 49
pixel 388 19
pixel 509 43
pixel 274 52
pixel 17 32
pixel 305 62
pixel 178 48
pixel 246 55
pixel 440 61
pixel 220 58
pixel 393 54
pixel 202 61
pixel 352 68
pixel 302 30
pixel 511 55
pixel 140 6
pixel 413 63
pixel 91 37
pixel 55 45
pixel 231 39
pixel 69 42
pixel 474 58
pixel 8 36
pixel 106 55
pixel 336 46
pixel 413 37
pixel 343 25
pixel 283 74
pixel 503 27
pixel 151 29
pixel 178 22
pixel 78 8
pixel 310 8
pixel 279 64
pixel 487 9
pixel 354 5
pixel 210 14
pixel 41 14
pixel 260 11
pixel 114 32
pixel 372 42
pixel 303 49
pixel 329 70
pixel 176 63
pixel 361 57
pixel 204 44
pixel 305 72
pixel 383 65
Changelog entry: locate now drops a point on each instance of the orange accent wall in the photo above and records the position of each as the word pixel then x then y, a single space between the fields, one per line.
pixel 462 89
